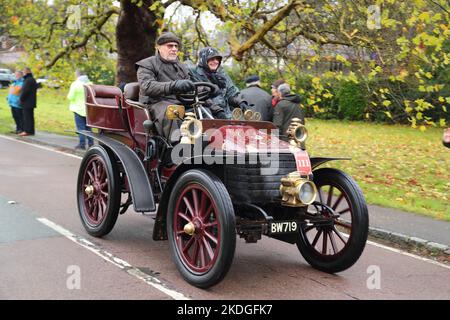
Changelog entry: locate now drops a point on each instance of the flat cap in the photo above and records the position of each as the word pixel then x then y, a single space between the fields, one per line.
pixel 166 37
pixel 251 79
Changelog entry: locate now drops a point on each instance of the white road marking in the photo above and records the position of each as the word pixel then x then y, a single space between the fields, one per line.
pixel 41 147
pixel 122 264
pixel 369 242
pixel 411 255
pixel 408 254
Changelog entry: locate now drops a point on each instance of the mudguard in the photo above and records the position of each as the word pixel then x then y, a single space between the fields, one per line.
pixel 141 190
pixel 317 161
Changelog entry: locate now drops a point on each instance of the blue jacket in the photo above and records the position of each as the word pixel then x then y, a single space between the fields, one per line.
pixel 14 93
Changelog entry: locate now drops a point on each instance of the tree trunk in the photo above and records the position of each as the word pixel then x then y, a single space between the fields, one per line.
pixel 136 33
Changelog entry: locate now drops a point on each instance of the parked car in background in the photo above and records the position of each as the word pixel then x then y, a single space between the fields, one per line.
pixel 49 82
pixel 6 77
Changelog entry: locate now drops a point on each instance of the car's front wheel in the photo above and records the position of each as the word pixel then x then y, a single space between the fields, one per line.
pixel 201 228
pixel 335 241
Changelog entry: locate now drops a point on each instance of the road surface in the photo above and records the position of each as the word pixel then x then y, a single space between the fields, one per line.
pixel 45 252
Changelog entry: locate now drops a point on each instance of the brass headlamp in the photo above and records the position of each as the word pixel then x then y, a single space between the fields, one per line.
pixel 297 191
pixel 297 133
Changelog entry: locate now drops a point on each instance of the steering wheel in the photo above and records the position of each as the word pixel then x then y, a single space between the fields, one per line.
pixel 208 90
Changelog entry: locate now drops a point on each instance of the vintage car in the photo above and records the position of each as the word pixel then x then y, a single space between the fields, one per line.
pixel 213 181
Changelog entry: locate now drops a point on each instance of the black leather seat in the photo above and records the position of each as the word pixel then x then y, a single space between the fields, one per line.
pixel 131 94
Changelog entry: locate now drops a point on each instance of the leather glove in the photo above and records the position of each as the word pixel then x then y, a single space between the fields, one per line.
pixel 220 115
pixel 219 80
pixel 182 86
pixel 243 105
pixel 215 92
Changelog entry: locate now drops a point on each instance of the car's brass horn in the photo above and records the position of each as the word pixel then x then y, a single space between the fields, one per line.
pixel 249 114
pixel 191 129
pixel 236 114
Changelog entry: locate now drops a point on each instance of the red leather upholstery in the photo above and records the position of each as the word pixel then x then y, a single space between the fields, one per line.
pixel 98 94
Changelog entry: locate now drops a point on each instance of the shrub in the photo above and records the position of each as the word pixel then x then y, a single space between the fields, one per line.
pixel 352 100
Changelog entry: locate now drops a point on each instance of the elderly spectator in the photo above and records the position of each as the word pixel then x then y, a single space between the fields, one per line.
pixel 275 93
pixel 286 109
pixel 258 99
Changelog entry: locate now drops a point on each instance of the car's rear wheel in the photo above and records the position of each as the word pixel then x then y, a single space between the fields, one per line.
pixel 338 240
pixel 201 228
pixel 98 192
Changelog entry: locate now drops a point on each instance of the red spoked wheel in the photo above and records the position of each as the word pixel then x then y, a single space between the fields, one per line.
pixel 336 240
pixel 98 192
pixel 201 228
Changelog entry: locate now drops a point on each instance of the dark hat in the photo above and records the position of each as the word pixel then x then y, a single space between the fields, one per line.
pixel 251 79
pixel 167 37
pixel 207 54
pixel 277 83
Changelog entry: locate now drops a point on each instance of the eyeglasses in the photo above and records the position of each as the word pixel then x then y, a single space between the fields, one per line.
pixel 171 46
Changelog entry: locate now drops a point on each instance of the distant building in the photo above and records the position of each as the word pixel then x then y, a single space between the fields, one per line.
pixel 10 51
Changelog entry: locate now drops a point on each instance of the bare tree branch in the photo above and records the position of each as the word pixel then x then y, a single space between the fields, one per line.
pixel 238 49
pixel 439 5
pixel 168 3
pixel 201 36
pixel 96 29
pixel 169 22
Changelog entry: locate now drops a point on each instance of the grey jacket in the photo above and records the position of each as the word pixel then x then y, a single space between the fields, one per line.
pixel 258 100
pixel 285 110
pixel 156 77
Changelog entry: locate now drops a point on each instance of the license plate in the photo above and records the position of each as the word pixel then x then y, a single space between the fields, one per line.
pixel 283 227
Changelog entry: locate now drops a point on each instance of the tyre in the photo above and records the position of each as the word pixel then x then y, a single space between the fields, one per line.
pixel 201 228
pixel 98 192
pixel 337 243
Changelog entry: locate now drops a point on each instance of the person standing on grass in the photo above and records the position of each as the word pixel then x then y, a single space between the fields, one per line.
pixel 28 102
pixel 275 94
pixel 76 97
pixel 258 99
pixel 287 108
pixel 14 101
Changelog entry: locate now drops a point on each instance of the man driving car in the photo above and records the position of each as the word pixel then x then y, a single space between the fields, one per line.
pixel 161 77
